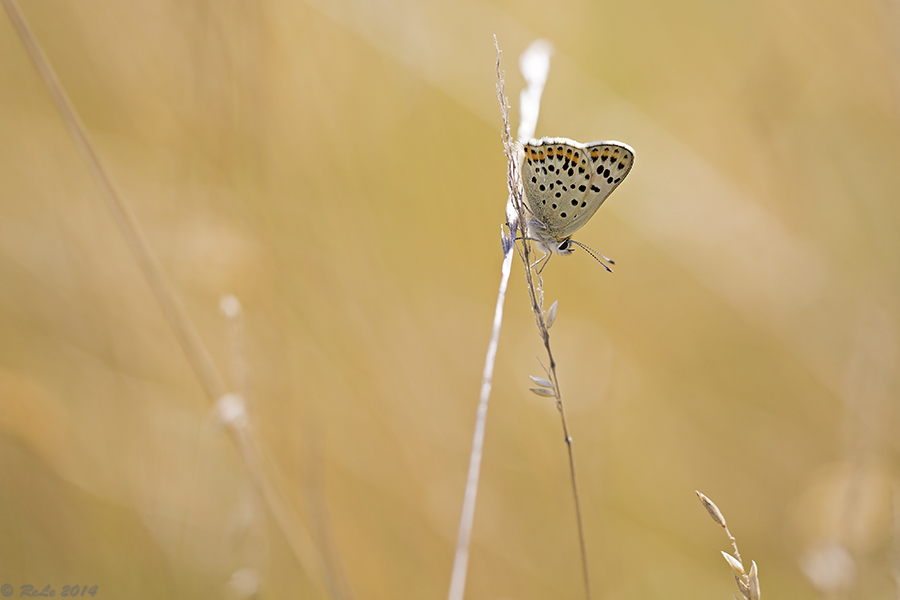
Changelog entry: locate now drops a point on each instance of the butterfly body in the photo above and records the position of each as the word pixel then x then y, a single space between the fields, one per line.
pixel 565 183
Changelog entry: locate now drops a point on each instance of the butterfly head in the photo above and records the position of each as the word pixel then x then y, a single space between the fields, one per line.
pixel 563 248
pixel 545 241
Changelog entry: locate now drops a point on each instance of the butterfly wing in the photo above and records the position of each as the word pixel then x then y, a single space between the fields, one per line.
pixel 611 162
pixel 566 182
pixel 556 173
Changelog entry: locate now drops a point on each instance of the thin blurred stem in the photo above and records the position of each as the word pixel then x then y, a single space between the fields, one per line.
pixel 565 426
pixel 210 378
pixel 737 553
pixel 535 296
pixel 464 537
pixel 190 340
pixel 467 518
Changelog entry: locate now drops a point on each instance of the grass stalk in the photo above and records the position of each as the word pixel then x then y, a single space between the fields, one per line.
pixel 747 579
pixel 467 518
pixel 531 96
pixel 464 536
pixel 197 354
pixel 537 54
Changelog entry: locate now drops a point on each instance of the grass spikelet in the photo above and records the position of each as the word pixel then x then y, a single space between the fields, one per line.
pixel 748 583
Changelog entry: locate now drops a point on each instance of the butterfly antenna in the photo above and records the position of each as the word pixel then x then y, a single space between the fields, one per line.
pixel 596 255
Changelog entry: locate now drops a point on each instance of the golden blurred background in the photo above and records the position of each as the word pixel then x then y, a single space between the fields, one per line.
pixel 336 165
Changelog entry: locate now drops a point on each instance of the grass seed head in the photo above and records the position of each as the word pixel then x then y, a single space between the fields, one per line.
pixel 712 509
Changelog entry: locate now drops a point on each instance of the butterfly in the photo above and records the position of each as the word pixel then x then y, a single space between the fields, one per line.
pixel 565 183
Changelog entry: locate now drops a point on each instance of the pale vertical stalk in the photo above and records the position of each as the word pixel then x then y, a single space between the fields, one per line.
pixel 467 518
pixel 208 374
pixel 464 537
pixel 535 65
pixel 240 371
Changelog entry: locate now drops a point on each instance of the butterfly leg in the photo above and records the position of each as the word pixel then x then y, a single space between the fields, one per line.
pixel 543 255
pixel 546 258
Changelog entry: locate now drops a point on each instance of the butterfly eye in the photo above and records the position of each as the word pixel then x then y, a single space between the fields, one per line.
pixel 564 246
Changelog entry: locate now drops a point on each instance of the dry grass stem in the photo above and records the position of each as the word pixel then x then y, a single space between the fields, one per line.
pixel 535 65
pixel 467 518
pixel 208 374
pixel 748 583
pixel 464 536
pixel 240 370
pixel 526 252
